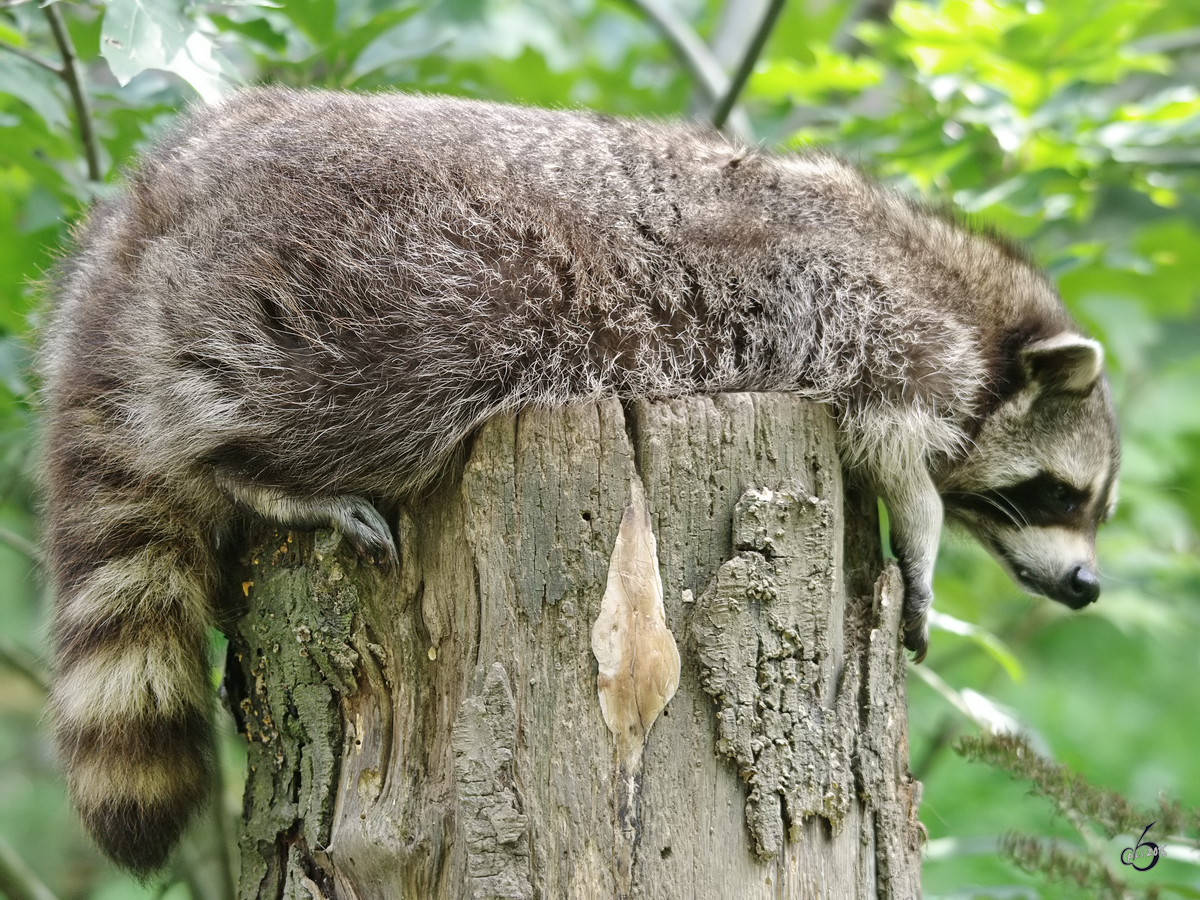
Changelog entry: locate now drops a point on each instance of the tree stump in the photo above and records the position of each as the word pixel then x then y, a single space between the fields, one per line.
pixel 437 732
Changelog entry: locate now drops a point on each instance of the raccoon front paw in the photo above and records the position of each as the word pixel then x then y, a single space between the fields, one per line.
pixel 367 531
pixel 916 637
pixel 917 601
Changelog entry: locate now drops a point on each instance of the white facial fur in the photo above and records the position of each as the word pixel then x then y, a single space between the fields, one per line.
pixel 1041 474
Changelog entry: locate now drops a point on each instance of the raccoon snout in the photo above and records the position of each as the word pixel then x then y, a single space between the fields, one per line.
pixel 1078 588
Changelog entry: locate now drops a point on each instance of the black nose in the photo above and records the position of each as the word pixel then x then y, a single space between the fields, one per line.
pixel 1080 587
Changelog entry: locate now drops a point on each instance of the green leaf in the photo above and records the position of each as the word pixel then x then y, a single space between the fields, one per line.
pixel 990 643
pixel 829 73
pixel 160 34
pixel 37 87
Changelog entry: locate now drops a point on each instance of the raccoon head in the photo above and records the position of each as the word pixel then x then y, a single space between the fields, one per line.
pixel 1041 475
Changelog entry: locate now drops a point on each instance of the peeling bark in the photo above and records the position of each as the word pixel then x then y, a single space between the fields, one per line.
pixel 438 733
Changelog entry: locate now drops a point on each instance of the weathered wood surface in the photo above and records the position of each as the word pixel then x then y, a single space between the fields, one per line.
pixel 437 734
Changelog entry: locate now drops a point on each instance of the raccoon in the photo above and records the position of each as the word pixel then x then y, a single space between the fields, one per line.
pixel 301 302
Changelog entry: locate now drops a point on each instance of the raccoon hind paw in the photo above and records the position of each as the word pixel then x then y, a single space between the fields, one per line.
pixel 354 516
pixel 367 531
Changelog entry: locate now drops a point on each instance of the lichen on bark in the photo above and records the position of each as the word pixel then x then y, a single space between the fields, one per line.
pixel 762 636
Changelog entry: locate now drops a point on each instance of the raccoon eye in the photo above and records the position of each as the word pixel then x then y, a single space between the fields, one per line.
pixel 1042 500
pixel 1059 493
pixel 1061 498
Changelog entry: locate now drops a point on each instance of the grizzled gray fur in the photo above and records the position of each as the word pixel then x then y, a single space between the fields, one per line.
pixel 300 303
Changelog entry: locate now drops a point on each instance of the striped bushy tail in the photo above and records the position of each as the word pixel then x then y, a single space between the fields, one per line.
pixel 131 699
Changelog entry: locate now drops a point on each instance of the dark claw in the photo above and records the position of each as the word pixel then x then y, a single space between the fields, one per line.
pixel 916 638
pixel 366 530
pixel 916 627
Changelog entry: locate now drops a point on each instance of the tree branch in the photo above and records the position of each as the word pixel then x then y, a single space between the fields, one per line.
pixel 22 661
pixel 688 46
pixel 17 882
pixel 864 11
pixel 742 75
pixel 72 75
pixel 21 544
pixel 710 77
pixel 34 58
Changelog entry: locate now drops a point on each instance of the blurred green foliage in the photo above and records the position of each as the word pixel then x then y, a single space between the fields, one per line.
pixel 1072 124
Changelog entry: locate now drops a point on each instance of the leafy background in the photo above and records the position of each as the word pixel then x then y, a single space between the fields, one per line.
pixel 1072 124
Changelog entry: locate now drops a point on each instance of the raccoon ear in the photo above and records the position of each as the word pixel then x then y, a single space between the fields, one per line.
pixel 1067 362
